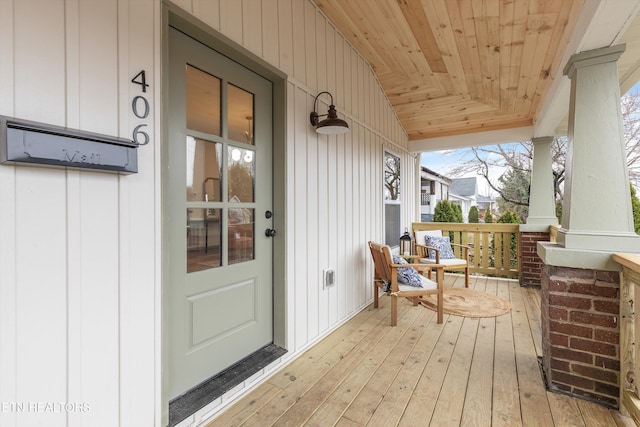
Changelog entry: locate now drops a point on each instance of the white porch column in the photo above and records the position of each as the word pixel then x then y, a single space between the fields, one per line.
pixel 542 205
pixel 597 212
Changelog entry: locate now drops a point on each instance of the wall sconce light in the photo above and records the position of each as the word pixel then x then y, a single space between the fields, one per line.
pixel 332 125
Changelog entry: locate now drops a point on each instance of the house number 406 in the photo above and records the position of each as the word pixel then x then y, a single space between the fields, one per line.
pixel 140 108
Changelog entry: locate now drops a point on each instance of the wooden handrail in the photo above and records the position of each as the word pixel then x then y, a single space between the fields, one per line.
pixel 495 248
pixel 629 318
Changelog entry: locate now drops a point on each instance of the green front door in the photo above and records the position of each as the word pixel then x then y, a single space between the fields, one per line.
pixel 217 192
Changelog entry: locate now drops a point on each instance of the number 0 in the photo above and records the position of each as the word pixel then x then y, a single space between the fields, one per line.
pixel 134 107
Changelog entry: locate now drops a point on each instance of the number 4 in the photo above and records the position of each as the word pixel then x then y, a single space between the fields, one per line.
pixel 141 80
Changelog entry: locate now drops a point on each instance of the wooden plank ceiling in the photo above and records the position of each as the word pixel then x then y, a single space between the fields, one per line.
pixel 451 67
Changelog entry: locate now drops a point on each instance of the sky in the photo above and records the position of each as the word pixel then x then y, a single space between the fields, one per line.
pixel 445 161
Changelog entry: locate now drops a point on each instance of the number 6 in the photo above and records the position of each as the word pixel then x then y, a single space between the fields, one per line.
pixel 137 132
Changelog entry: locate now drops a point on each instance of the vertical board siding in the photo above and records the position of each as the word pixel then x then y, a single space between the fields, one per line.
pixel 231 13
pixel 41 294
pixel 8 282
pixel 78 318
pixel 252 26
pixel 298 287
pixel 298 37
pixel 98 76
pixel 98 266
pixel 270 27
pixel 138 204
pixel 95 237
pixel 285 37
pixel 39 81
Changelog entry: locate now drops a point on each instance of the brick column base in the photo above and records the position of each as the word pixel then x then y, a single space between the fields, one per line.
pixel 530 263
pixel 580 333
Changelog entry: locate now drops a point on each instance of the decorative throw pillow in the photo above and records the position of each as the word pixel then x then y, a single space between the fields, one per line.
pixel 442 244
pixel 407 275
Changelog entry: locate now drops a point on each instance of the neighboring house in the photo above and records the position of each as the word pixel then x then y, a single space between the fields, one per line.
pixel 485 203
pixel 465 191
pixel 433 188
pixel 461 191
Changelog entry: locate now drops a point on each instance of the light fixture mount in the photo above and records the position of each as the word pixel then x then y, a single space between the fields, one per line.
pixel 332 125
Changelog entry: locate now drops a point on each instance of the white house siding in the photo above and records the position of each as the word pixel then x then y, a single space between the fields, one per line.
pixel 80 287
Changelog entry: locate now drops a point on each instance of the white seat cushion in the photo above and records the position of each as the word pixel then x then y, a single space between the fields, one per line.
pixel 421 236
pixel 452 261
pixel 426 284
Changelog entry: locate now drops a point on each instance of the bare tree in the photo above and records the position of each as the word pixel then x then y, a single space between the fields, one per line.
pixel 519 156
pixel 391 176
pixel 630 105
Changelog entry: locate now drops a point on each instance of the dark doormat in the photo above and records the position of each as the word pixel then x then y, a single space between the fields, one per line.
pixel 199 396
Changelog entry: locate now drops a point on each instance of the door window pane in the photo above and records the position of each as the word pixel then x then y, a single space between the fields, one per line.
pixel 203 101
pixel 203 170
pixel 240 115
pixel 241 174
pixel 241 232
pixel 204 233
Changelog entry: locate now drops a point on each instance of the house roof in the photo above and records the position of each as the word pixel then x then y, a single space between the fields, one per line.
pixel 484 201
pixel 464 186
pixel 467 72
pixel 426 173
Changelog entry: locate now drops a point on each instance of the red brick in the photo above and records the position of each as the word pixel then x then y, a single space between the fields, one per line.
pixel 574 380
pixel 569 354
pixel 606 306
pixel 580 288
pixel 572 273
pixel 560 365
pixel 571 329
pixel 605 335
pixel 608 389
pixel 557 286
pixel 612 291
pixel 570 301
pixel 606 363
pixel 608 276
pixel 593 347
pixel 558 313
pixel 558 339
pixel 594 319
pixel 601 375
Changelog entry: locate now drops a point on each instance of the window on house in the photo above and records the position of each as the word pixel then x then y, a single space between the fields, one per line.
pixel 392 199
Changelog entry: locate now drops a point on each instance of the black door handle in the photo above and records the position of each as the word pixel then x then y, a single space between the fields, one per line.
pixel 270 232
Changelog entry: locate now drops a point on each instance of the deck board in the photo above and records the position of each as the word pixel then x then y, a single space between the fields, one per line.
pixel 465 371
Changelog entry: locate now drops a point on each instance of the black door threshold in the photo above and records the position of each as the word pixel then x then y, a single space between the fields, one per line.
pixel 198 397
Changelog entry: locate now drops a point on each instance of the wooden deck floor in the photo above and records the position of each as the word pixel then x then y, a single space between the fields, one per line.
pixel 464 372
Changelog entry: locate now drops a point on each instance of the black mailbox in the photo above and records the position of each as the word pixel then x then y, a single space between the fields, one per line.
pixel 24 143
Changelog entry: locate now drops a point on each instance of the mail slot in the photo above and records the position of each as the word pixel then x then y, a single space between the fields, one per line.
pixel 30 143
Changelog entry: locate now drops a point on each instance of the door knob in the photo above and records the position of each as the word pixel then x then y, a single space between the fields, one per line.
pixel 270 232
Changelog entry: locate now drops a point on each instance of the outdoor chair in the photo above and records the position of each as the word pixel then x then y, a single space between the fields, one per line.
pixel 432 248
pixel 386 278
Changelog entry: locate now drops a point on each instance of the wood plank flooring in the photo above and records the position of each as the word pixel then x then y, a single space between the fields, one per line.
pixel 464 372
